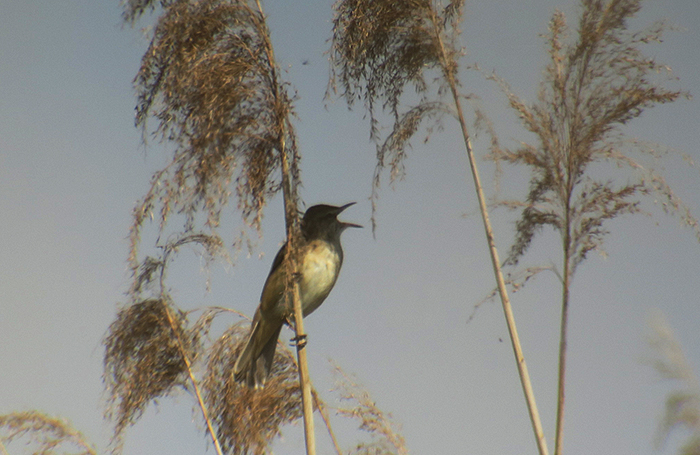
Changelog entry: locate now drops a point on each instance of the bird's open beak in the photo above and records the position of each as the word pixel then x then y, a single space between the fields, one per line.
pixel 347 225
pixel 343 207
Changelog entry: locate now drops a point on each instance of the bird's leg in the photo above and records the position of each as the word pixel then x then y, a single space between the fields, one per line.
pixel 299 340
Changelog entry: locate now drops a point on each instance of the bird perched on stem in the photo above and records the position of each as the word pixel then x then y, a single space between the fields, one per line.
pixel 319 262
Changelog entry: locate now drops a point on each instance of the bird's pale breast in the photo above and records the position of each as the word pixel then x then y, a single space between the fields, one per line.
pixel 319 271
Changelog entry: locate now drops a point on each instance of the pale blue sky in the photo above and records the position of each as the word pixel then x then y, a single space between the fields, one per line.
pixel 72 167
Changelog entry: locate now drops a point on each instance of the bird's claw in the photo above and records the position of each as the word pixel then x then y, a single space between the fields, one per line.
pixel 299 341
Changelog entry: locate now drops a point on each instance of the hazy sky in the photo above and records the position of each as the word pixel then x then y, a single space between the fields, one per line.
pixel 72 167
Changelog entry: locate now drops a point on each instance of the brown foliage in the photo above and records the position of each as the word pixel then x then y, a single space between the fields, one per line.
pixel 379 47
pixel 382 47
pixel 134 9
pixel 150 348
pixel 208 86
pixel 45 435
pixel 144 360
pixel 209 81
pixel 592 88
pixel 386 440
pixel 248 420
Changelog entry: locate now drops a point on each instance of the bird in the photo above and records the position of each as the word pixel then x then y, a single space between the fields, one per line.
pixel 319 262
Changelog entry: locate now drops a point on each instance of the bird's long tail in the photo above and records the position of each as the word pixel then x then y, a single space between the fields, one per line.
pixel 255 361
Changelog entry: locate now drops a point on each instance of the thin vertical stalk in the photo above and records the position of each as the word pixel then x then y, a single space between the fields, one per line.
pixel 300 335
pixel 562 369
pixel 505 300
pixel 290 211
pixel 563 336
pixel 448 72
pixel 327 421
pixel 321 407
pixel 193 380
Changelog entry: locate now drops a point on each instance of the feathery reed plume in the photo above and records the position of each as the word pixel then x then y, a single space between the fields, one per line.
pixel 44 434
pixel 683 404
pixel 379 49
pixel 593 86
pixel 210 85
pixel 386 440
pixel 248 420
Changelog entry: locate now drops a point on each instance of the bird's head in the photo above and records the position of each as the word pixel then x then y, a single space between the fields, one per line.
pixel 320 220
